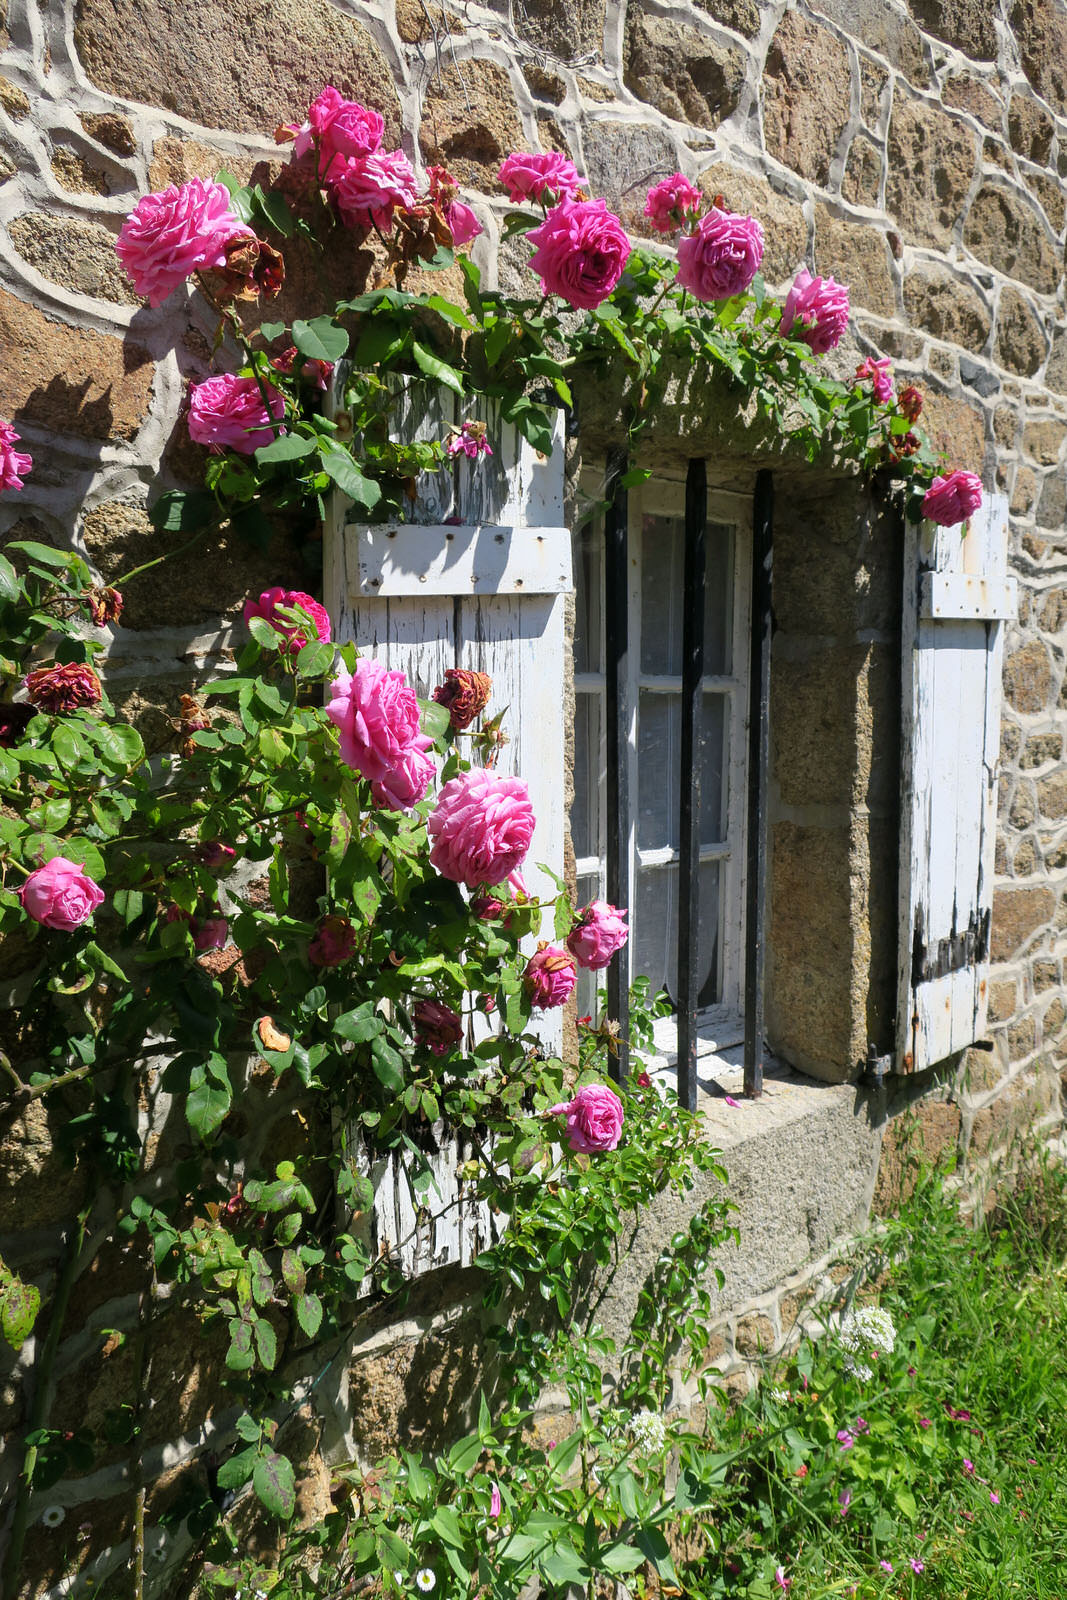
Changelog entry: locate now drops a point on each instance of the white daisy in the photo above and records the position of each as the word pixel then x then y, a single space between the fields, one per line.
pixel 425 1579
pixel 52 1516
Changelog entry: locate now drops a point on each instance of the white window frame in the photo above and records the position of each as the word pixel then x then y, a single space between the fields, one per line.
pixel 721 1024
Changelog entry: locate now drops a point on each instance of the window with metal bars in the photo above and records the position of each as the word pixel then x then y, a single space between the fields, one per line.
pixel 651 697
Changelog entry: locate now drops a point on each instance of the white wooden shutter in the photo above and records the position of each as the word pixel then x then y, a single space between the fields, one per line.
pixel 476 578
pixel 957 597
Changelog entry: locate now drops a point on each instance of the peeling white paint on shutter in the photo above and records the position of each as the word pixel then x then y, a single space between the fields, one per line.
pixel 477 579
pixel 957 596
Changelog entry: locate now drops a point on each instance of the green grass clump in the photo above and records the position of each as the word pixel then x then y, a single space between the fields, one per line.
pixel 948 1464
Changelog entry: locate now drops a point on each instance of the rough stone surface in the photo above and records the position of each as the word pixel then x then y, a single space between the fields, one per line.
pixel 809 991
pixel 622 162
pixel 1030 129
pixel 1043 440
pixel 886 29
pixel 77 255
pixel 805 96
pixel 785 230
pixel 70 379
pixel 741 15
pixel 246 64
pixel 968 24
pixel 1020 344
pixel 1049 192
pixel 862 180
pixel 1028 682
pixel 1017 915
pixel 931 160
pixel 1053 614
pixel 565 28
pixel 110 128
pixel 963 92
pixel 957 429
pixel 858 255
pixel 470 122
pixel 918 1138
pixel 1010 235
pixel 946 306
pixel 1040 27
pixel 681 71
pixel 79 173
pixel 417 22
pixel 1052 796
pixel 177 160
pixel 12 98
pixel 1052 506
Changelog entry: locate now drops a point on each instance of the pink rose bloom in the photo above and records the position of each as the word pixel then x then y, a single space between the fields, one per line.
pixel 953 499
pixel 471 441
pixel 816 311
pixel 213 854
pixel 340 127
pixel 14 464
pixel 463 224
pixel 481 827
pixel 60 894
pixel 376 714
pixel 550 976
pixel 721 256
pixel 530 177
pixel 227 413
pixel 582 251
pixel 334 941
pixel 881 376
pixel 368 189
pixel 210 934
pixel 495 1506
pixel 436 1026
pixel 405 784
pixel 267 608
pixel 594 1118
pixel 167 236
pixel 601 931
pixel 671 203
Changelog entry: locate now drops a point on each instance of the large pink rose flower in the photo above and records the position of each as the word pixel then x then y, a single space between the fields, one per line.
pixel 582 251
pixel 953 499
pixel 340 127
pixel 14 464
pixel 600 932
pixel 533 177
pixel 376 713
pixel 227 413
pixel 368 189
pixel 816 311
pixel 167 236
pixel 60 894
pixel 437 1026
pixel 406 783
pixel 672 203
pixel 594 1118
pixel 721 256
pixel 550 976
pixel 481 827
pixel 267 608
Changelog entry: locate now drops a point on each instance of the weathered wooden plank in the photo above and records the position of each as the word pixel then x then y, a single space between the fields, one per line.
pixel 478 559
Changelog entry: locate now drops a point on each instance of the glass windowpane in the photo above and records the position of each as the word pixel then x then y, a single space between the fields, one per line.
pixel 659 734
pixel 585 807
pixel 656 936
pixel 662 573
pixel 588 593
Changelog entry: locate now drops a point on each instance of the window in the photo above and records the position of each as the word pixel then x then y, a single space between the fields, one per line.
pixel 657 546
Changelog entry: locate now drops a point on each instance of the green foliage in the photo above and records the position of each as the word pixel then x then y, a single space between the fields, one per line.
pixel 19 1304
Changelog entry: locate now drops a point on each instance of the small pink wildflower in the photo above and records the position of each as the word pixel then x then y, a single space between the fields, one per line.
pixel 968 1466
pixel 861 1426
pixel 916 1565
pixel 1031 1461
pixel 912 1372
pixel 886 1566
pixel 957 1414
pixel 494 1501
pixel 924 1422
pixel 844 1500
pixel 845 1439
pixel 781 1580
pixel 470 441
pixel 994 1498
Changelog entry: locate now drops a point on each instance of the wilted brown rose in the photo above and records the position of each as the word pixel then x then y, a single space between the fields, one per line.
pixel 105 606
pixel 63 687
pixel 464 694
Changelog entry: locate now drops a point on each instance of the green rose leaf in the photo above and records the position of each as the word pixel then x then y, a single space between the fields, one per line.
pixel 320 339
pixel 437 369
pixel 182 511
pixel 288 447
pixel 339 466
pixel 274 1481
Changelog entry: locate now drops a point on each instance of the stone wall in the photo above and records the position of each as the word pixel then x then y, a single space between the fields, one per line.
pixel 913 148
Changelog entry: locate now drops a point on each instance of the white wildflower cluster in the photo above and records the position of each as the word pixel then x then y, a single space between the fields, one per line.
pixel 649 1430
pixel 783 1396
pixel 868 1329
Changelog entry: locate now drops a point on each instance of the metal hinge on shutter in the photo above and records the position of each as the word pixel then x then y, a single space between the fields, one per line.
pixel 957 597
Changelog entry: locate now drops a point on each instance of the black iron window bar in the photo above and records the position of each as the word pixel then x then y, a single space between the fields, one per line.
pixel 619 715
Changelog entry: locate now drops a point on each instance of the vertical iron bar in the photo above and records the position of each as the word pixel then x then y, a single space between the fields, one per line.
pixel 696 529
pixel 758 765
pixel 617 712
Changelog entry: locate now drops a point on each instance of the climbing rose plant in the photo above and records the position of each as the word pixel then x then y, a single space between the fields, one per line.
pixel 316 897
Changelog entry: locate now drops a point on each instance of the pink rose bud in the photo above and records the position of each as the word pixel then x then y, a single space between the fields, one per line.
pixel 298 634
pixel 168 236
pixel 367 189
pixel 881 376
pixel 548 177
pixel 481 827
pixel 601 931
pixel 333 942
pixel 14 464
pixel 721 256
pixel 213 854
pixel 495 1502
pixel 487 907
pixel 63 688
pixel 227 413
pixel 340 127
pixel 952 499
pixel 582 251
pixel 407 782
pixel 60 894
pixel 376 714
pixel 210 934
pixel 437 1026
pixel 672 203
pixel 594 1118
pixel 815 311
pixel 550 976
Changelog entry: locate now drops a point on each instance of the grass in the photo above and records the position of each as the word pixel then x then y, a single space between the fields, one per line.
pixel 956 1473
